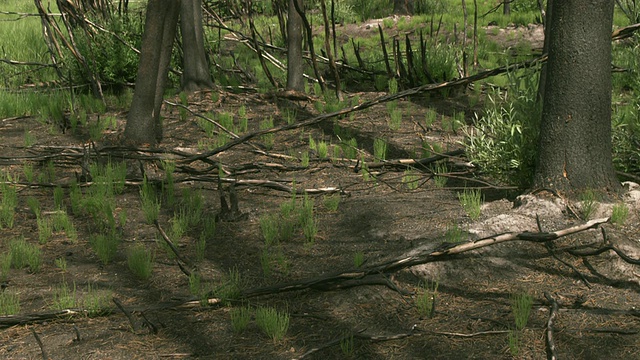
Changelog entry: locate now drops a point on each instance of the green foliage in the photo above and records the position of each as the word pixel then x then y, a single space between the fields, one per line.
pixel 24 254
pixel 331 202
pixel 96 302
pixel 61 263
pixel 150 202
pixel 471 199
pixel 105 246
pixel 521 308
pixel 268 139
pixel 64 297
pixel 140 261
pixel 425 300
pixel 619 214
pixel 503 142
pixel 240 318
pixel 454 234
pixel 9 303
pixel 272 322
pixel 380 149
pixel 8 202
pixel 411 179
pixel 358 259
pixel 231 287
pixel 588 204
pixel 347 345
pixel 438 180
pixel 113 62
pixel 5 265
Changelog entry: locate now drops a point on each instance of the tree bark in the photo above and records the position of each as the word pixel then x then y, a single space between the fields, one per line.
pixel 143 122
pixel 403 7
pixel 195 73
pixel 295 64
pixel 545 50
pixel 575 136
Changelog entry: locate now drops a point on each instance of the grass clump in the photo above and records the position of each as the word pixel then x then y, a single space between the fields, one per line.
pixel 150 202
pixel 140 262
pixel 240 318
pixel 8 202
pixel 331 202
pixel 380 149
pixel 426 298
pixel 9 303
pixel 272 322
pixel 24 255
pixel 619 214
pixel 64 297
pixel 95 302
pixel 471 199
pixel 411 179
pixel 358 259
pixel 105 246
pixel 588 204
pixel 521 308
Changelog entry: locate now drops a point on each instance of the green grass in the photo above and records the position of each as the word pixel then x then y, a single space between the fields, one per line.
pixel 9 303
pixel 150 202
pixel 240 318
pixel 358 259
pixel 331 202
pixel 8 201
pixel 411 179
pixel 140 262
pixel 64 297
pixel 97 302
pixel 588 204
pixel 471 200
pixel 380 149
pixel 105 246
pixel 425 300
pixel 24 255
pixel 272 322
pixel 619 214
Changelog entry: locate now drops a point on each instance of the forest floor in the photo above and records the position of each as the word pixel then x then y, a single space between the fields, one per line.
pixel 378 216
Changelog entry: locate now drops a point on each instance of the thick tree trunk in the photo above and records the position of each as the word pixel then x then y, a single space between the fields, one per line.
pixel 403 7
pixel 575 136
pixel 545 50
pixel 143 122
pixel 195 73
pixel 295 64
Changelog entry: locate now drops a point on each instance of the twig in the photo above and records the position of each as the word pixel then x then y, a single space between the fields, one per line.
pixel 44 353
pixel 479 333
pixel 552 352
pixel 126 313
pixel 77 331
pixel 173 249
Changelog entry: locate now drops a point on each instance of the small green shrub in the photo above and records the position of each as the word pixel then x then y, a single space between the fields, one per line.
pixel 140 261
pixel 105 246
pixel 64 297
pixel 380 149
pixel 9 303
pixel 272 322
pixel 24 254
pixel 96 302
pixel 471 200
pixel 619 214
pixel 589 204
pixel 411 179
pixel 426 298
pixel 331 202
pixel 358 259
pixel 240 318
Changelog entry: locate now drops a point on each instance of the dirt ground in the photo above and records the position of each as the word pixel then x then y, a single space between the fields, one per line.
pixel 378 216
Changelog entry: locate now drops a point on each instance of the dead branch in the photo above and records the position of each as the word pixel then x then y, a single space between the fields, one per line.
pixel 27 63
pixel 552 352
pixel 367 104
pixel 180 260
pixel 127 313
pixel 12 320
pixel 417 256
pixel 624 32
pixel 44 352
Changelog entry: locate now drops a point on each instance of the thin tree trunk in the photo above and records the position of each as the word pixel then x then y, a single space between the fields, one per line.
pixel 295 64
pixel 195 75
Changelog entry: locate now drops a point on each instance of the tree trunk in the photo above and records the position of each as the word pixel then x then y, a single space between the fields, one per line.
pixel 295 64
pixel 575 135
pixel 143 122
pixel 506 10
pixel 195 73
pixel 545 50
pixel 403 7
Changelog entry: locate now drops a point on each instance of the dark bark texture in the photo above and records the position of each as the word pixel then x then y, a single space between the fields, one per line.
pixel 295 64
pixel 143 122
pixel 403 7
pixel 195 73
pixel 575 136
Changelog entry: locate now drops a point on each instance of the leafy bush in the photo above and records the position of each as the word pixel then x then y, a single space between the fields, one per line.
pixel 115 63
pixel 503 141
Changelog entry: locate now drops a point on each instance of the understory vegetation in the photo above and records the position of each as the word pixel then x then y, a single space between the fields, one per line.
pixel 87 207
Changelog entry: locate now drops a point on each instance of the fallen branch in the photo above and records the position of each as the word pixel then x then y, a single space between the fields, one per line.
pixel 552 352
pixel 367 104
pixel 417 257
